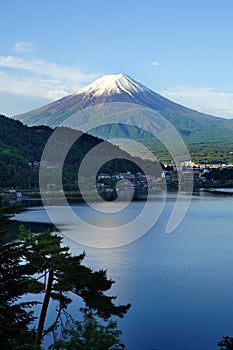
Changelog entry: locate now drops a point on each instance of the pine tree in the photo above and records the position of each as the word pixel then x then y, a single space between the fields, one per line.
pixel 15 317
pixel 89 334
pixel 60 274
pixel 41 264
pixel 226 343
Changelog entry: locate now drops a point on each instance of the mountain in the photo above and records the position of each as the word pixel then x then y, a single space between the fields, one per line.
pixel 108 89
pixel 206 136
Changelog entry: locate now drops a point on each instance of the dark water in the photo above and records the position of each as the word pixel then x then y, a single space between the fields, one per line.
pixel 180 285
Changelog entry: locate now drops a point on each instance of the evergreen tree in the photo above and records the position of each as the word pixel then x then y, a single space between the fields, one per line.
pixel 14 315
pixel 89 334
pixel 61 274
pixel 226 343
pixel 41 264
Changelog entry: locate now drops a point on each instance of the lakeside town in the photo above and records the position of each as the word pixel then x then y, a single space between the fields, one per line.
pixel 207 177
pixel 203 176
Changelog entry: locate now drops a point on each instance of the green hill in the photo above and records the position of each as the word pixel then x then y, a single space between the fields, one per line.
pixel 21 149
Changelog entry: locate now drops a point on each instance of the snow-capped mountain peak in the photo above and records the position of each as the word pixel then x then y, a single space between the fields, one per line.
pixel 112 88
pixel 112 84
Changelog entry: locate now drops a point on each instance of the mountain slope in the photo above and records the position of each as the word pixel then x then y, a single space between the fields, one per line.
pixel 21 149
pixel 109 88
pixel 197 129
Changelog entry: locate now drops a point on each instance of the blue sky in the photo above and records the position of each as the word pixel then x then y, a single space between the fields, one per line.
pixel 181 49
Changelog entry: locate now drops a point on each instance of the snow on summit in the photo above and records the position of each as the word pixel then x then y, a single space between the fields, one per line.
pixel 112 88
pixel 112 84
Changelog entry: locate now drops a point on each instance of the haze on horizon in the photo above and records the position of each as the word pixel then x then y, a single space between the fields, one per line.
pixel 181 50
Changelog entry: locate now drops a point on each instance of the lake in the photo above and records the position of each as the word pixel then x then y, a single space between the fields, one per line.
pixel 180 285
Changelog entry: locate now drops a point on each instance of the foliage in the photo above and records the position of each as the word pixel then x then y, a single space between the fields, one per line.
pixel 219 174
pixel 41 264
pixel 61 274
pixel 226 343
pixel 21 149
pixel 29 142
pixel 6 212
pixel 14 316
pixel 89 334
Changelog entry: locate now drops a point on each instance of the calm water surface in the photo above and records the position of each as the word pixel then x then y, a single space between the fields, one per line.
pixel 180 285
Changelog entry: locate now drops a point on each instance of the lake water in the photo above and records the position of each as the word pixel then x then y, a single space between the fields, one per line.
pixel 180 285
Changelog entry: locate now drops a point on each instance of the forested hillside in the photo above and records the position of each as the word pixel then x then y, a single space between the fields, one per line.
pixel 21 148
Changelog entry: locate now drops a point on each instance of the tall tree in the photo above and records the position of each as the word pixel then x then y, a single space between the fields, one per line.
pixel 40 263
pixel 61 274
pixel 15 315
pixel 14 282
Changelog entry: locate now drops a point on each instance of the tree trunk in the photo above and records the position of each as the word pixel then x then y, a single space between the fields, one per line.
pixel 44 307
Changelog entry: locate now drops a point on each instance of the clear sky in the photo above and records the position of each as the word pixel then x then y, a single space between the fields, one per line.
pixel 181 49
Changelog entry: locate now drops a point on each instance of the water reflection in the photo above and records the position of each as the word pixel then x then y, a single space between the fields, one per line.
pixel 180 285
